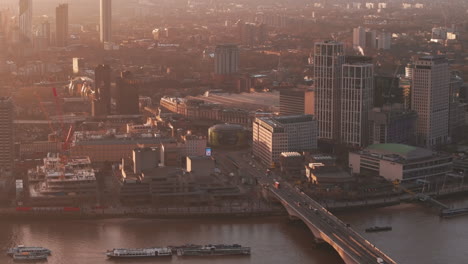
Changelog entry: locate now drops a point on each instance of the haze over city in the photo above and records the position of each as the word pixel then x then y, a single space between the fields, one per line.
pixel 233 131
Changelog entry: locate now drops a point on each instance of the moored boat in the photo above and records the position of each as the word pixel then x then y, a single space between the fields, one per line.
pixel 29 256
pixel 139 252
pixel 378 228
pixel 214 250
pixel 33 250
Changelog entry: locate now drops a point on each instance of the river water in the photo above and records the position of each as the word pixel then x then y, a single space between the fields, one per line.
pixel 418 236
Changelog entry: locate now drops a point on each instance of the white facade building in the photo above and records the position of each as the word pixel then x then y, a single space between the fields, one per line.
pixel 430 99
pixel 274 135
pixel 357 93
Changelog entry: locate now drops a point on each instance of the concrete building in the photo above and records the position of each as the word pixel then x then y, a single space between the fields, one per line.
pixel 297 101
pixel 384 40
pixel 324 170
pixel 101 104
pixel 392 124
pixel 200 166
pixel 456 108
pixel 25 20
pixel 328 61
pixel 78 64
pixel 357 97
pixel 399 162
pixel 127 101
pixel 106 20
pixel 61 25
pixel 226 59
pixel 110 146
pixel 194 145
pixel 430 100
pixel 359 38
pixel 6 145
pixel 275 135
pixel 146 159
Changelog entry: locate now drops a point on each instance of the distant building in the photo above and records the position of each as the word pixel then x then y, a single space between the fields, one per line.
pixel 297 101
pixel 146 159
pixel 106 20
pixel 227 136
pixel 275 135
pixel 430 99
pixel 102 99
pixel 359 38
pixel 328 61
pixel 324 170
pixel 110 146
pixel 456 108
pixel 201 166
pixel 387 90
pixel 7 152
pixel 250 33
pixel 399 162
pixel 357 96
pixel 384 40
pixel 392 124
pixel 194 145
pixel 25 20
pixel 61 25
pixel 78 65
pixel 226 59
pixel 127 102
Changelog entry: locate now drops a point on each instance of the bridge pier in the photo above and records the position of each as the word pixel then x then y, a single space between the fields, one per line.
pixel 293 216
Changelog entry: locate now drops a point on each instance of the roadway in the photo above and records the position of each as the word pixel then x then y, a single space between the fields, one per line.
pixel 348 243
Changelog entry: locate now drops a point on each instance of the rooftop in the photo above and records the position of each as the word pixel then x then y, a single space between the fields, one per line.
pixel 405 151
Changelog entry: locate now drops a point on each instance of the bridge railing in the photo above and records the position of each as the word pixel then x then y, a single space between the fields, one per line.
pixel 338 221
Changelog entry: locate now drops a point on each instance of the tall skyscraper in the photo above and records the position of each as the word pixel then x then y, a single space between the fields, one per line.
pixel 430 99
pixel 357 96
pixel 6 136
pixel 101 104
pixel 384 40
pixel 127 94
pixel 61 25
pixel 106 21
pixel 226 59
pixel 25 20
pixel 328 61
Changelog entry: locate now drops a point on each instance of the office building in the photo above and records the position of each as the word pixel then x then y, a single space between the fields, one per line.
pixel 399 162
pixel 78 64
pixel 226 59
pixel 4 69
pixel 25 20
pixel 430 99
pixel 275 135
pixel 328 61
pixel 6 147
pixel 127 102
pixel 456 108
pixel 101 105
pixel 359 38
pixel 106 21
pixel 357 97
pixel 384 40
pixel 61 25
pixel 392 124
pixel 6 135
pixel 146 159
pixel 251 34
pixel 297 101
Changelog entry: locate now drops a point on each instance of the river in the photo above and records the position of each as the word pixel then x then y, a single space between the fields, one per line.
pixel 418 236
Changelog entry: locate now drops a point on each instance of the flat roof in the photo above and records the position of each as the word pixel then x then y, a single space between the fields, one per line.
pixel 406 151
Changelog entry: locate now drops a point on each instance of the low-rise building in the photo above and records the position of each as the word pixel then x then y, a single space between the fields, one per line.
pixel 399 162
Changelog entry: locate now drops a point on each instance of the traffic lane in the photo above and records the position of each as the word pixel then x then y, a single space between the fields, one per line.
pixel 327 226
